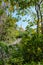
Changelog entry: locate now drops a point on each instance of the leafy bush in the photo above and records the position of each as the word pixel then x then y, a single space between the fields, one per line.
pixel 28 52
pixel 3 53
pixel 32 49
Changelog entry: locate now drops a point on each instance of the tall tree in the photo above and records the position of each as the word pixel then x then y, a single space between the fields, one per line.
pixel 7 22
pixel 11 5
pixel 23 4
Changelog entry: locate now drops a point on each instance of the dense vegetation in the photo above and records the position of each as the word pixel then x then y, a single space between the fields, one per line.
pixel 29 51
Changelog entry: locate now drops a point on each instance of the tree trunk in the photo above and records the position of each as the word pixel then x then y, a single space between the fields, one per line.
pixel 38 11
pixel 36 8
pixel 41 23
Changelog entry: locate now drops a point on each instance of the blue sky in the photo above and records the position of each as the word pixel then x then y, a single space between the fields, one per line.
pixel 26 17
pixel 24 24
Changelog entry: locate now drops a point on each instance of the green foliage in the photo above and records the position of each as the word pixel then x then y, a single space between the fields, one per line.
pixel 3 46
pixel 3 53
pixel 33 48
pixel 1 11
pixel 28 52
pixel 8 30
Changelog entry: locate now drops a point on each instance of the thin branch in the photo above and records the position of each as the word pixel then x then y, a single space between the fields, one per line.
pixel 41 1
